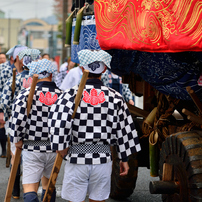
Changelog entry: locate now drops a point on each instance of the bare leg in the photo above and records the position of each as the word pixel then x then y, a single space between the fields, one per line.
pixel 31 187
pixel 44 182
pixel 90 200
pixel 81 201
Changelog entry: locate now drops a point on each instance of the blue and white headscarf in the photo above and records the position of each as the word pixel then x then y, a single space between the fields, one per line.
pixel 29 55
pixel 18 50
pixel 94 60
pixel 11 50
pixel 44 68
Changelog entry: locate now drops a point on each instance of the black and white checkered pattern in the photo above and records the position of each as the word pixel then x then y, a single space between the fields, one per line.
pixel 6 74
pixel 126 93
pixel 6 99
pixel 107 123
pixel 34 127
pixel 86 148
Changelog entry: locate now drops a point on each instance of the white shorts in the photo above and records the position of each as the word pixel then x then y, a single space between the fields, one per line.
pixel 82 179
pixel 36 165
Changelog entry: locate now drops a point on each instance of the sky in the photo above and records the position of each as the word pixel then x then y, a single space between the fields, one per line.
pixel 26 9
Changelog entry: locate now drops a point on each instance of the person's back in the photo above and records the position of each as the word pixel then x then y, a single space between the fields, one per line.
pixel 72 78
pixel 102 120
pixel 33 130
pixel 22 80
pixel 101 115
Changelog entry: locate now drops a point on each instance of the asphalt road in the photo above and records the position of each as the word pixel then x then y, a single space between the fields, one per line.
pixel 140 194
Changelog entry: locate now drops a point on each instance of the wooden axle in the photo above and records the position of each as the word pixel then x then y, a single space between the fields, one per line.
pixel 164 187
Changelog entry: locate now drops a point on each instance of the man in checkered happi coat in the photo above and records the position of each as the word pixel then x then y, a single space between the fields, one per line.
pixel 31 132
pixel 6 73
pixel 102 119
pixel 22 80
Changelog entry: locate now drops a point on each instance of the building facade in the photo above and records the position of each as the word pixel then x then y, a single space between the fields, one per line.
pixel 9 29
pixel 36 33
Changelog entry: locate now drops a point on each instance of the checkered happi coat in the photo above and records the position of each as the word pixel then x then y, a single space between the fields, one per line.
pixel 33 128
pixel 4 65
pixel 6 73
pixel 6 99
pixel 108 123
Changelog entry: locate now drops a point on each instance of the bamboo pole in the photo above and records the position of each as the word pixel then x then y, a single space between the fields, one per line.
pixel 153 153
pixel 78 26
pixel 69 30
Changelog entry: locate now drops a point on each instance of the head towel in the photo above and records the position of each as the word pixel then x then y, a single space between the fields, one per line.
pixel 94 60
pixel 42 67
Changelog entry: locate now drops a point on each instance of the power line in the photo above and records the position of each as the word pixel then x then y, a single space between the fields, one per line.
pixel 11 3
pixel 20 11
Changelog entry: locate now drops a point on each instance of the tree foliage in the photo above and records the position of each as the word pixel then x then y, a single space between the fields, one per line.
pixel 58 8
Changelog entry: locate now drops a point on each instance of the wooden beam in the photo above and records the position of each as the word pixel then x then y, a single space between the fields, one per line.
pixel 194 98
pixel 137 111
pixel 167 172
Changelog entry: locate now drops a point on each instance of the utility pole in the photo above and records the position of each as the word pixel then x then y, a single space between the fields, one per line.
pixel 64 17
pixel 9 29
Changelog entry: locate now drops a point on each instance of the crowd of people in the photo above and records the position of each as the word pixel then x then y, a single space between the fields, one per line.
pixel 102 120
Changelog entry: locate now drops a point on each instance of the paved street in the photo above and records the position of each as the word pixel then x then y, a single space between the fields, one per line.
pixel 140 194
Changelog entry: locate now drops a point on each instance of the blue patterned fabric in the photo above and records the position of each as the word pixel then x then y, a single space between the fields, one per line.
pixel 6 74
pixel 87 37
pixel 42 67
pixel 169 73
pixel 123 88
pixel 34 53
pixel 11 50
pixel 4 65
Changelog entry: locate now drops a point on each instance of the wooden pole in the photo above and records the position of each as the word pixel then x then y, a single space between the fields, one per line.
pixel 194 98
pixel 31 93
pixel 58 160
pixel 13 82
pixel 192 117
pixel 17 156
pixel 137 111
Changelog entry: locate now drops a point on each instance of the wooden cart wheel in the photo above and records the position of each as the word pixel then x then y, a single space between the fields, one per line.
pixel 123 186
pixel 183 151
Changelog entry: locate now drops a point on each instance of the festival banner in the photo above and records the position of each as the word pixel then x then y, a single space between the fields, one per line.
pixel 87 37
pixel 149 25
